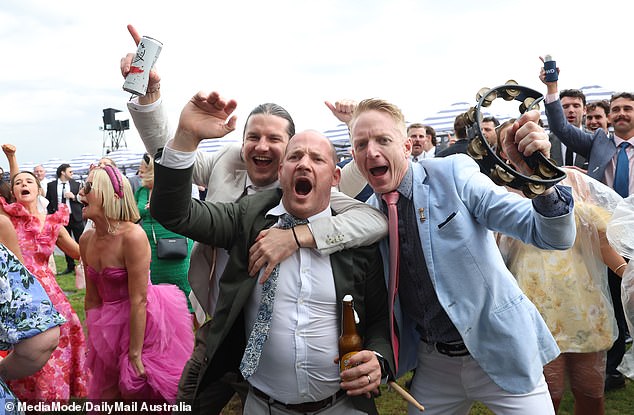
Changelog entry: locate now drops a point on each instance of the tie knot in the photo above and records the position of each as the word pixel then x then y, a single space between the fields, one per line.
pixel 391 198
pixel 624 145
pixel 288 221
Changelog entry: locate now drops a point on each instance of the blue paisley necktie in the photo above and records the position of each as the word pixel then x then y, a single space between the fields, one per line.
pixel 260 331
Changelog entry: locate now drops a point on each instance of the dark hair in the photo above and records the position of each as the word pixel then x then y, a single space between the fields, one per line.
pixel 61 168
pixel 573 93
pixel 430 131
pixel 491 119
pixel 599 104
pixel 5 191
pixel 272 109
pixel 39 185
pixel 626 95
pixel 460 126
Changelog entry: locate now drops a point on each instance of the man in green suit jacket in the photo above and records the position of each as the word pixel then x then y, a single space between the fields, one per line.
pixel 297 370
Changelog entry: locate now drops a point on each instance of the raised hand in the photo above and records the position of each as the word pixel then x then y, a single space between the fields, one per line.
pixel 343 109
pixel 204 116
pixel 9 149
pixel 126 64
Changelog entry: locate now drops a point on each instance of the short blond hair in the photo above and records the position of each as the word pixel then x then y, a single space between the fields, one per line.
pixel 380 105
pixel 115 207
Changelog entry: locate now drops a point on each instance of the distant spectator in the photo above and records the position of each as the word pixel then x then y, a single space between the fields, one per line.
pixel 487 126
pixel 461 143
pixel 63 191
pixel 597 115
pixel 422 145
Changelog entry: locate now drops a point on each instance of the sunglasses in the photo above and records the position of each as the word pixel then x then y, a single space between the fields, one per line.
pixel 87 187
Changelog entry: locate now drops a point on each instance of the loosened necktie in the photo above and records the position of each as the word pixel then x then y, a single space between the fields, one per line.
pixel 260 332
pixel 64 193
pixel 391 199
pixel 622 173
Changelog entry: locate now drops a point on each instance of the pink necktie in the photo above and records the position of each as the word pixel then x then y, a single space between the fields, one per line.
pixel 391 199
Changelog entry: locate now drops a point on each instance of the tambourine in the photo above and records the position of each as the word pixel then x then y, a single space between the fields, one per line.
pixel 546 173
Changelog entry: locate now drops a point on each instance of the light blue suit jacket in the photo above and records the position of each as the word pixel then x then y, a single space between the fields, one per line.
pixel 500 326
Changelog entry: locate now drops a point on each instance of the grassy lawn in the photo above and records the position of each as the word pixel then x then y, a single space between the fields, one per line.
pixel 618 402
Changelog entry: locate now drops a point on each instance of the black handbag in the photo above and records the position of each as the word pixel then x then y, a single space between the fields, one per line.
pixel 170 248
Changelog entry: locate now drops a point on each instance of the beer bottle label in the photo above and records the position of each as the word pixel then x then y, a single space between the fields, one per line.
pixel 344 362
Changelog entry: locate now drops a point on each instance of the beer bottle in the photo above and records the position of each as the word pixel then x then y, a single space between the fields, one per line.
pixel 349 342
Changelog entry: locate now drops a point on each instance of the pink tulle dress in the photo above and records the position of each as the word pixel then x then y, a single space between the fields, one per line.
pixel 64 376
pixel 168 342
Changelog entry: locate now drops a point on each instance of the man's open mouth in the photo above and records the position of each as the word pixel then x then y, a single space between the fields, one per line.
pixel 261 161
pixel 303 186
pixel 378 171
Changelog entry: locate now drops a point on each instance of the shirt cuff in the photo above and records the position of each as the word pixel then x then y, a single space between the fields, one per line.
pixel 133 104
pixel 551 98
pixel 176 159
pixel 557 203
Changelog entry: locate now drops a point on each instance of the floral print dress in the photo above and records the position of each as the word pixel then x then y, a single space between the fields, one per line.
pixel 25 311
pixel 64 376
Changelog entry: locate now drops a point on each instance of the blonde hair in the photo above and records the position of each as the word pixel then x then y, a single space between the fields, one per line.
pixel 115 207
pixel 148 174
pixel 380 105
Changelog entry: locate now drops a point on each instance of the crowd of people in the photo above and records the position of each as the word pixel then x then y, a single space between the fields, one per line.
pixel 479 292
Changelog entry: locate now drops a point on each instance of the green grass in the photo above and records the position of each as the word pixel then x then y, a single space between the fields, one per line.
pixel 617 402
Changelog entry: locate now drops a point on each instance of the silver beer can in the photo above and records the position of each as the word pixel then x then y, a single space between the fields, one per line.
pixel 147 53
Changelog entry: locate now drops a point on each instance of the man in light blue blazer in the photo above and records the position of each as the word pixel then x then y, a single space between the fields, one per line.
pixel 462 320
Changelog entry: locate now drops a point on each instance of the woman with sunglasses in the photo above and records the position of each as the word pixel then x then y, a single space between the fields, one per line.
pixel 139 335
pixel 64 375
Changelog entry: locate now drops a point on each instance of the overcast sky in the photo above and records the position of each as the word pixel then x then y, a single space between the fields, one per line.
pixel 60 65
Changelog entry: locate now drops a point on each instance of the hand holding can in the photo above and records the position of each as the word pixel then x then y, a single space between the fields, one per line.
pixel 148 50
pixel 550 68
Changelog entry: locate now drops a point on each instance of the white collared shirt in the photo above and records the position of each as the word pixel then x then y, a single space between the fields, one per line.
pixel 60 193
pixel 610 169
pixel 297 362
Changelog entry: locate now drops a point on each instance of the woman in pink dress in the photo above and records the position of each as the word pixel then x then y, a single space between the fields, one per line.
pixel 139 335
pixel 64 376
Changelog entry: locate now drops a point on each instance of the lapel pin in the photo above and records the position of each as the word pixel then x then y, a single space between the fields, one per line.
pixel 421 213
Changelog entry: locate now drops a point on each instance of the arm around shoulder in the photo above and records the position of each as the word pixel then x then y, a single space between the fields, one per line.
pixel 356 224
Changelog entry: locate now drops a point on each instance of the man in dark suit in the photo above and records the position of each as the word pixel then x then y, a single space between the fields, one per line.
pixel 573 104
pixel 309 288
pixel 461 144
pixel 64 190
pixel 602 152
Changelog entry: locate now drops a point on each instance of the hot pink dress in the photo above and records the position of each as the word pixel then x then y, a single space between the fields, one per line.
pixel 168 342
pixel 64 376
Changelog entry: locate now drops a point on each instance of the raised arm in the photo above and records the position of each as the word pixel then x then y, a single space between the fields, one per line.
pixel 578 140
pixel 9 151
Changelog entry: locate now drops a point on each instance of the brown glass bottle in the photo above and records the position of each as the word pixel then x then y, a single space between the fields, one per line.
pixel 349 342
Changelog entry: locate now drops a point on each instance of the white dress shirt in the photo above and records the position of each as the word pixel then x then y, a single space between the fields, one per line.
pixel 297 361
pixel 62 187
